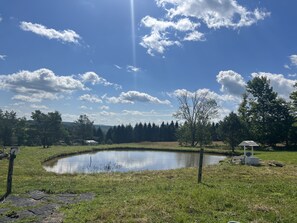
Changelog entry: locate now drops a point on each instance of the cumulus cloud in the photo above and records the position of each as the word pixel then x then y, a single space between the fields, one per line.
pixel 232 83
pixel 2 57
pixel 94 78
pixel 214 13
pixel 134 96
pixel 283 86
pixel 40 80
pixel 156 42
pixel 184 17
pixel 204 92
pixel 90 98
pixel 68 35
pixel 34 86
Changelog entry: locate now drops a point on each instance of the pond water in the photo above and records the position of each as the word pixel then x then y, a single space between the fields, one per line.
pixel 128 160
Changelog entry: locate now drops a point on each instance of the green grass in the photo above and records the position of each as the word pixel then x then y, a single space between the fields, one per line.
pixel 229 192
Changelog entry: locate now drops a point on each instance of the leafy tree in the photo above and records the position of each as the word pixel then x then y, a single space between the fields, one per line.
pixel 196 109
pixel 47 127
pixel 293 130
pixel 21 131
pixel 8 126
pixel 293 97
pixel 268 115
pixel 83 128
pixel 232 130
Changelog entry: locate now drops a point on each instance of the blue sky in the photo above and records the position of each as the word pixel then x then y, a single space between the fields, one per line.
pixel 124 61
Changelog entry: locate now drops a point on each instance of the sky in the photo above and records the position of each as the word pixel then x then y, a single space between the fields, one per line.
pixel 126 61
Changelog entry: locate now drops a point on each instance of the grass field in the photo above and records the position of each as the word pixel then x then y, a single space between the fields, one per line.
pixel 228 192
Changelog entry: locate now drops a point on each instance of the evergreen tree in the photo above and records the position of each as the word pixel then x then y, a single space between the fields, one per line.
pixel 99 136
pixel 83 128
pixel 108 136
pixel 232 130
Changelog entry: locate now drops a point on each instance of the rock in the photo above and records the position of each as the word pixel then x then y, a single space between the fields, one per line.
pixel 20 201
pixel 44 210
pixel 276 164
pixel 37 195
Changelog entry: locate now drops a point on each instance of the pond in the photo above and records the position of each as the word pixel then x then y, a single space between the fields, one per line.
pixel 128 160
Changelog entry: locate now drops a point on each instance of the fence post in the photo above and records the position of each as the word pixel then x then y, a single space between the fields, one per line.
pixel 12 156
pixel 200 165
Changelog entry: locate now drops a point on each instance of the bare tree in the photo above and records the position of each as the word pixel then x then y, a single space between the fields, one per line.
pixel 196 109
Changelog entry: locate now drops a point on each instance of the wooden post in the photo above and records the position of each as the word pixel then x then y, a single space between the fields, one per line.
pixel 200 165
pixel 12 156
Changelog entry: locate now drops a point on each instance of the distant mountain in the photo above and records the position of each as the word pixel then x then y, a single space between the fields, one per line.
pixel 104 128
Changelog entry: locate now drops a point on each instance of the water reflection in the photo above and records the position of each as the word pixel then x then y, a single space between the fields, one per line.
pixel 124 161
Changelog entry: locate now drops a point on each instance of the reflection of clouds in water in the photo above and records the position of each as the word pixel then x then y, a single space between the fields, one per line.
pixel 124 161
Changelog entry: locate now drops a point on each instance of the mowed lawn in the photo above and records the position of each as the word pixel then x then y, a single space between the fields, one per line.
pixel 228 192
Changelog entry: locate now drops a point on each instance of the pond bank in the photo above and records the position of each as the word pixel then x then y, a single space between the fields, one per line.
pixel 117 147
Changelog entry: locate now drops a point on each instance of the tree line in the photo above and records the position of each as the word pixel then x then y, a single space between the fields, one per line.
pixel 48 129
pixel 142 132
pixel 262 116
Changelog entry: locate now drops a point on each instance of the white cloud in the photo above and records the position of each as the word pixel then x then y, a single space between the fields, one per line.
pixel 39 80
pixel 83 107
pixel 1 19
pixel 184 17
pixel 134 69
pixel 293 59
pixel 104 107
pixel 36 97
pixel 118 67
pixel 194 36
pixel 157 42
pixel 94 78
pixel 34 106
pixel 232 83
pixel 68 35
pixel 283 86
pixel 140 113
pixel 214 13
pixel 90 98
pixel 134 96
pixel 2 57
pixel 34 86
pixel 204 91
pixel 292 75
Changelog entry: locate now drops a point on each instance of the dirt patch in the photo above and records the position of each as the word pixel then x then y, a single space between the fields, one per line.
pixel 38 206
